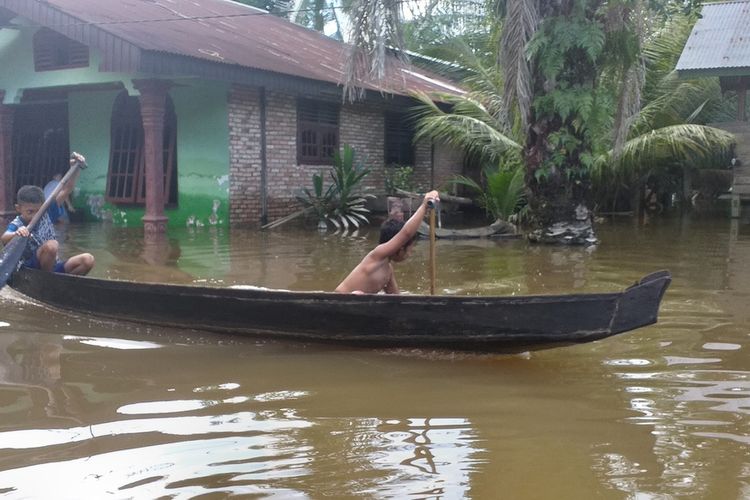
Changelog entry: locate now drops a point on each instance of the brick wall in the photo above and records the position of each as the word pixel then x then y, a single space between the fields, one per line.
pixel 244 155
pixel 423 166
pixel 361 126
pixel 449 162
pixel 285 177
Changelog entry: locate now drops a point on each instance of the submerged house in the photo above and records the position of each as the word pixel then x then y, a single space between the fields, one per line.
pixel 719 46
pixel 201 110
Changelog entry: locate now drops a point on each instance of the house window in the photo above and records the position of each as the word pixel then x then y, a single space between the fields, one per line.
pixel 55 51
pixel 126 180
pixel 399 139
pixel 317 132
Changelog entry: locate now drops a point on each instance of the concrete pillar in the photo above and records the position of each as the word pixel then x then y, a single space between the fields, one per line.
pixel 7 196
pixel 153 100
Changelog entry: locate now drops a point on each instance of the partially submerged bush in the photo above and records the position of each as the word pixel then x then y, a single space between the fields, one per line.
pixel 342 203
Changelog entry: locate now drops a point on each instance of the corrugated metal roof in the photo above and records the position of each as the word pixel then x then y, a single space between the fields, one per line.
pixel 720 41
pixel 217 31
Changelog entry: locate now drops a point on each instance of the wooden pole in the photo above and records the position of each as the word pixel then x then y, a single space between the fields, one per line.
pixel 433 260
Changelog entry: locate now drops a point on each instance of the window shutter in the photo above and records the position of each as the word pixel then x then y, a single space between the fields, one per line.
pixel 317 131
pixel 55 51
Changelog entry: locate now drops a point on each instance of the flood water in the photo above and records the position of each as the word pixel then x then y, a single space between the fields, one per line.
pixel 96 409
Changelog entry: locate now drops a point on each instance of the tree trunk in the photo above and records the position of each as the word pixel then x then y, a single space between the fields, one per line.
pixel 557 195
pixel 557 181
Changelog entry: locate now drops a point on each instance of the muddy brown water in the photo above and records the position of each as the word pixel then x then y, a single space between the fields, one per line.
pixel 96 409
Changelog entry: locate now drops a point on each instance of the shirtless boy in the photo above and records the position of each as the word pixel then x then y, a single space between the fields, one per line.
pixel 375 272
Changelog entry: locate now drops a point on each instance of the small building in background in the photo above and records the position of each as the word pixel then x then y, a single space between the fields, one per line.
pixel 719 46
pixel 208 112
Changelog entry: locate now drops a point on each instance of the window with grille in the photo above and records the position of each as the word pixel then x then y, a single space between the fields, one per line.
pixel 317 132
pixel 55 51
pixel 126 180
pixel 399 139
pixel 40 143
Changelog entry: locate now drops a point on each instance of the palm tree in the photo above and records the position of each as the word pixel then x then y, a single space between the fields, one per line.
pixel 565 66
pixel 669 132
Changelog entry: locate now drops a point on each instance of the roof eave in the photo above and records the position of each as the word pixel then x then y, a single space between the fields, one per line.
pixel 689 74
pixel 164 64
pixel 120 55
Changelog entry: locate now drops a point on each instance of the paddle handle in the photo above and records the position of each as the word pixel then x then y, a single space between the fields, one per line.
pixel 433 259
pixel 40 213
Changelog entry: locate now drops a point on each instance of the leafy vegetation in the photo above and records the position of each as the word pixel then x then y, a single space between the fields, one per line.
pixel 582 90
pixel 341 204
pixel 502 192
pixel 399 177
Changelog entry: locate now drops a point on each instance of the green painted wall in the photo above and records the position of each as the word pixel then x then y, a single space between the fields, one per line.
pixel 202 134
pixel 202 155
pixel 17 61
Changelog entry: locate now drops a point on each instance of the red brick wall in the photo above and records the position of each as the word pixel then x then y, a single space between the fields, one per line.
pixel 361 126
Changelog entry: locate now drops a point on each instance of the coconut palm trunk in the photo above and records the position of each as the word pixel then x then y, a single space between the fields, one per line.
pixel 550 51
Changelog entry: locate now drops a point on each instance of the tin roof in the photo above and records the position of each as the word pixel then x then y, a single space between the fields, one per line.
pixel 209 38
pixel 719 44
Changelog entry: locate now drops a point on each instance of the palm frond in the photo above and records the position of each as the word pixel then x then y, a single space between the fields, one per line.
pixel 505 190
pixel 375 27
pixel 691 146
pixel 468 127
pixel 520 25
pixel 628 103
pixel 679 101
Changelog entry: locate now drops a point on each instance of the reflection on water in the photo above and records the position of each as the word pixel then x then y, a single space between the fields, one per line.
pixel 92 408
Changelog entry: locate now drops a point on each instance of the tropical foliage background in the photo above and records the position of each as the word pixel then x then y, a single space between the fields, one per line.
pixel 581 94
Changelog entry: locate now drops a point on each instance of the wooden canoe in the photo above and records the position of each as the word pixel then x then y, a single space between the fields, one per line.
pixel 472 323
pixel 498 230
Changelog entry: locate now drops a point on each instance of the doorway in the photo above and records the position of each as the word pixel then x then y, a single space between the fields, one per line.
pixel 41 146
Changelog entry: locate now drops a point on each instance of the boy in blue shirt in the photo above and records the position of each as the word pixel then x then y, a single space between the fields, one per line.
pixel 58 212
pixel 42 249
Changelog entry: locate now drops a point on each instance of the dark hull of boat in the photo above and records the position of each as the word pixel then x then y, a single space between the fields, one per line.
pixel 451 322
pixel 498 230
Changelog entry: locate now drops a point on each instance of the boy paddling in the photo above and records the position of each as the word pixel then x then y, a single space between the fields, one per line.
pixel 375 272
pixel 42 249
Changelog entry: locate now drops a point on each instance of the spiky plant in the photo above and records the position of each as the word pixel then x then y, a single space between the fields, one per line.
pixel 501 194
pixel 348 208
pixel 342 204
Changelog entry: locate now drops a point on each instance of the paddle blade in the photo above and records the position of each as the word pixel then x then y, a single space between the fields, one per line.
pixel 10 258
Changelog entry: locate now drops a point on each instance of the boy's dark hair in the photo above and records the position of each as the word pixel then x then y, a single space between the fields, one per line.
pixel 390 228
pixel 30 194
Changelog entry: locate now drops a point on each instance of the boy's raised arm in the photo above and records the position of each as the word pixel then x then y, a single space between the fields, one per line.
pixel 410 228
pixel 64 193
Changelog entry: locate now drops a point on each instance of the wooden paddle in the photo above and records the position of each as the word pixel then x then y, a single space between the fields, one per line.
pixel 13 251
pixel 433 261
